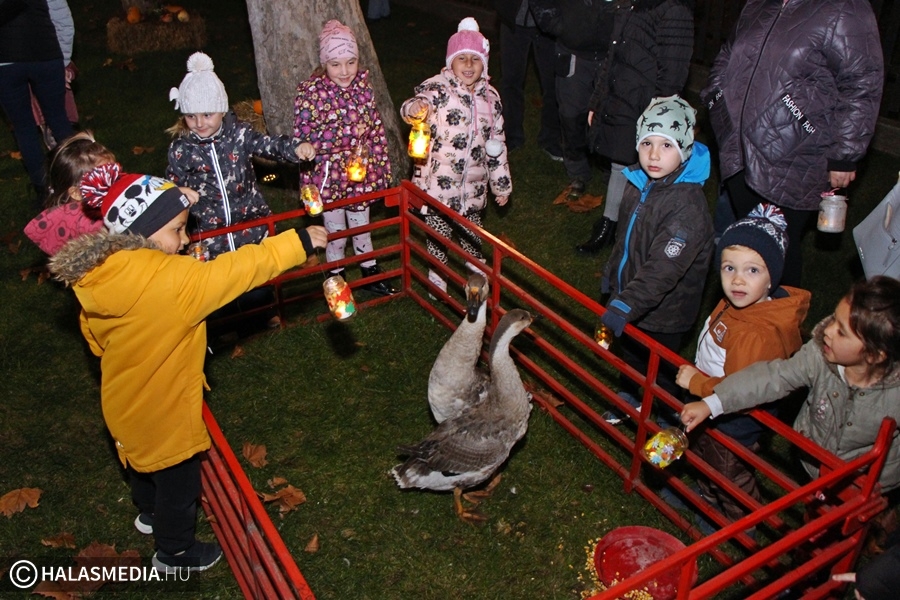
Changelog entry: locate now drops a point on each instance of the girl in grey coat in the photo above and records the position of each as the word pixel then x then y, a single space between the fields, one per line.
pixel 852 370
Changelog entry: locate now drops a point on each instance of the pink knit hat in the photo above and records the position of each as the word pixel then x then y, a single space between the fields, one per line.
pixel 336 41
pixel 468 38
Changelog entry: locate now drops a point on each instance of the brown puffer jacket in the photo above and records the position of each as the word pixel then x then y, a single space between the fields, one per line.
pixel 795 94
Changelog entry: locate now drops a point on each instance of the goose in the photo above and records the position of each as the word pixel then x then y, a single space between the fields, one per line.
pixel 455 381
pixel 464 451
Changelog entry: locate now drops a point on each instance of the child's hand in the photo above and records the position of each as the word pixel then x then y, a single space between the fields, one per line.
pixel 306 151
pixel 317 235
pixel 685 372
pixel 192 195
pixel 502 200
pixel 417 110
pixel 694 413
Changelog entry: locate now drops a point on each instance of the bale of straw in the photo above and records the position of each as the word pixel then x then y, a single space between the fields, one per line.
pixel 243 110
pixel 123 37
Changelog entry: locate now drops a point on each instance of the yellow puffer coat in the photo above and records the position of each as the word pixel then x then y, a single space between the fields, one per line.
pixel 143 314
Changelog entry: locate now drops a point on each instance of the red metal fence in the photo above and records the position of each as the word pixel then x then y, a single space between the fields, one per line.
pixel 817 528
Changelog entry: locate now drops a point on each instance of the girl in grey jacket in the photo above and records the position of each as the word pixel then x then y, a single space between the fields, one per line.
pixel 852 372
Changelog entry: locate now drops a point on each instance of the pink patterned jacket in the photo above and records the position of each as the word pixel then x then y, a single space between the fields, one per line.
pixel 327 116
pixel 458 170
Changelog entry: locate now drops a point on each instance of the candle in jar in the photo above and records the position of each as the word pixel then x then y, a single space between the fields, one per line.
pixel 356 171
pixel 419 137
pixel 665 447
pixel 311 199
pixel 603 336
pixel 199 251
pixel 339 297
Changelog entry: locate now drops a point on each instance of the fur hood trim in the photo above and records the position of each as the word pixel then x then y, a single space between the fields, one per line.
pixel 85 253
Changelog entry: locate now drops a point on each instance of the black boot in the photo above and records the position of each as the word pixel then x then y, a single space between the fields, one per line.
pixel 380 288
pixel 603 234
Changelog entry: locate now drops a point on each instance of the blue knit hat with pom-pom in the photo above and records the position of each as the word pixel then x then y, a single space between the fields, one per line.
pixel 764 231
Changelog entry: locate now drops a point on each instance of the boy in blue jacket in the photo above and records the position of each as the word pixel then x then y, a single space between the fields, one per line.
pixel 664 241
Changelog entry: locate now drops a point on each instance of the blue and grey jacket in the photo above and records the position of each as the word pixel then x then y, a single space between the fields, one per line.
pixel 664 244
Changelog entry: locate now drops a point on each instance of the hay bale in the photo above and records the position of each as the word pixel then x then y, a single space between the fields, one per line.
pixel 151 35
pixel 244 111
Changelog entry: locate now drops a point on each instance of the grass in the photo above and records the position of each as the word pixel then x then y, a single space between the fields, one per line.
pixel 329 400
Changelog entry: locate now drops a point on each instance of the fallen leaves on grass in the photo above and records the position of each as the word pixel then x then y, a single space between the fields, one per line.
pixel 586 203
pixel 138 150
pixel 62 540
pixel 255 454
pixel 287 498
pixel 15 501
pixel 42 273
pixel 276 481
pixel 238 351
pixel 94 556
pixel 547 398
pixel 15 155
pixel 313 545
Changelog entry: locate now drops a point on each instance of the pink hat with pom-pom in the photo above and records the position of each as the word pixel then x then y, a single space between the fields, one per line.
pixel 468 38
pixel 336 40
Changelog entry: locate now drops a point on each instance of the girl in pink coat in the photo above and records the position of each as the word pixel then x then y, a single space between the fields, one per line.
pixel 468 147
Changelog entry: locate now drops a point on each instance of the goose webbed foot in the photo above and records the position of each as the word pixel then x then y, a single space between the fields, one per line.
pixel 469 515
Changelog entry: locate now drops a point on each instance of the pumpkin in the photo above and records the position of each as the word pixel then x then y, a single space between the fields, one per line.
pixel 134 15
pixel 183 16
pixel 166 17
pixel 257 107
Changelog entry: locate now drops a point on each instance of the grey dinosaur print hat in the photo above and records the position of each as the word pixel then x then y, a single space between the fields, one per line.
pixel 672 118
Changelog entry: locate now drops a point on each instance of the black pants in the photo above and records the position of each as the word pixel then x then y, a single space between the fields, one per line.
pixel 170 495
pixel 637 356
pixel 573 92
pixel 744 199
pixel 515 45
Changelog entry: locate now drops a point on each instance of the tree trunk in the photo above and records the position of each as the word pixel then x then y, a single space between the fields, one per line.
pixel 286 45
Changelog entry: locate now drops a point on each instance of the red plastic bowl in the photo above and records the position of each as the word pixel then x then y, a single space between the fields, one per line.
pixel 626 551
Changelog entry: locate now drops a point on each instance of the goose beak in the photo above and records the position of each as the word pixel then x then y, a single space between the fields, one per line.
pixel 473 302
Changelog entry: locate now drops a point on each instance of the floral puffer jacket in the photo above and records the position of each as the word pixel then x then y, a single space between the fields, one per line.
pixel 459 170
pixel 219 169
pixel 335 120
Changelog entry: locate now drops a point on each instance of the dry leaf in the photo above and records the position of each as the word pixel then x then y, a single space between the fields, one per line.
pixel 54 589
pixel 255 455
pixel 128 65
pixel 276 481
pixel 288 498
pixel 507 240
pixel 138 150
pixel 238 351
pixel 43 276
pixel 24 273
pixel 547 399
pixel 15 155
pixel 62 540
pixel 365 368
pixel 107 62
pixel 586 203
pixel 15 501
pixel 313 545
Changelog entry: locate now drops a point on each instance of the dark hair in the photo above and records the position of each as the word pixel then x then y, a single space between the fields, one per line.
pixel 875 319
pixel 69 161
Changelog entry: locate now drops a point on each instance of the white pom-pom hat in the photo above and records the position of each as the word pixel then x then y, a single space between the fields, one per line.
pixel 201 91
pixel 468 38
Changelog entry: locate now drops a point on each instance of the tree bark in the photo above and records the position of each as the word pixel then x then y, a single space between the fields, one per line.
pixel 286 45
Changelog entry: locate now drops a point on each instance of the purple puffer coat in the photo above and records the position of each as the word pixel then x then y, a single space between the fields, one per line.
pixel 459 170
pixel 795 94
pixel 329 116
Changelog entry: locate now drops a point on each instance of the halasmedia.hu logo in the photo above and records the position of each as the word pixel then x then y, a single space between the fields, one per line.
pixel 25 574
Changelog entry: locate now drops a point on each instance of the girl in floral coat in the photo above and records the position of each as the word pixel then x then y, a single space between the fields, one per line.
pixel 335 112
pixel 468 148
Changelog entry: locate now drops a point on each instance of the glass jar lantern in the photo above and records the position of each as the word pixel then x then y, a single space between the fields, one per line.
pixel 665 447
pixel 339 297
pixel 312 201
pixel 419 139
pixel 832 214
pixel 356 163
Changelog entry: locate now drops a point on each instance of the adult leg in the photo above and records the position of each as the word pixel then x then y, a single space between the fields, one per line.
pixel 797 223
pixel 573 93
pixel 550 136
pixel 15 98
pixel 48 83
pixel 514 44
pixel 603 233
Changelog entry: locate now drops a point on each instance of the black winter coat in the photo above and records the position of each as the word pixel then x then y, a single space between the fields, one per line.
pixel 795 94
pixel 650 55
pixel 582 27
